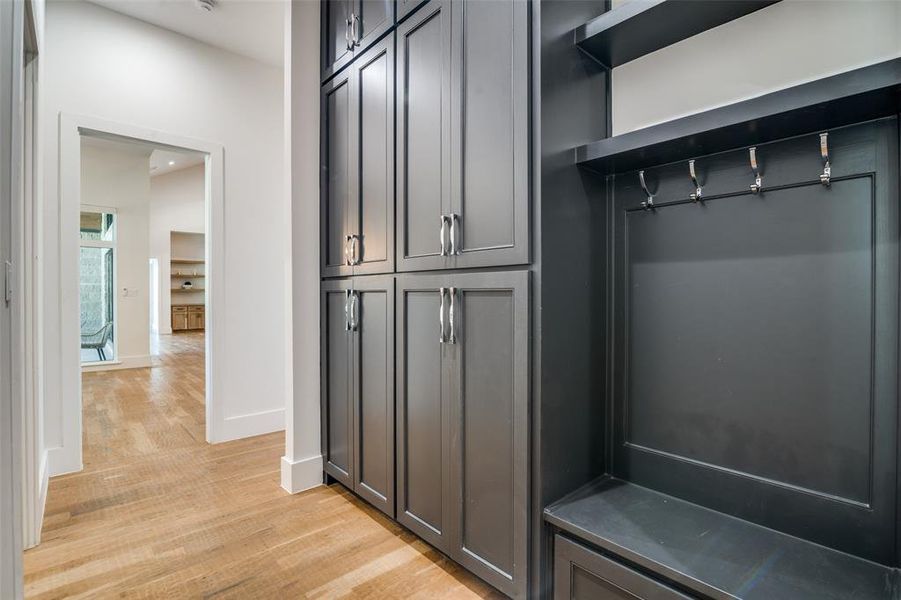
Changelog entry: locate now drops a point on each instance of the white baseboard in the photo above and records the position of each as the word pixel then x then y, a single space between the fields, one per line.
pixel 44 474
pixel 302 474
pixel 125 362
pixel 60 461
pixel 243 426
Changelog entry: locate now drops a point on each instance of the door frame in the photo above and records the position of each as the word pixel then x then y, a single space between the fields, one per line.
pixel 12 52
pixel 71 127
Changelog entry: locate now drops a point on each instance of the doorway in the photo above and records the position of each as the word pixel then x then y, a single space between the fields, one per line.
pixel 121 317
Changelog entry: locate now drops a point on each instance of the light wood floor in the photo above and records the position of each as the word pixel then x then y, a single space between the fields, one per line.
pixel 158 513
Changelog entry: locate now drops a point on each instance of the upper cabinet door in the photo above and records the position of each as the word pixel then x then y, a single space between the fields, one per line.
pixel 372 124
pixel 424 503
pixel 406 7
pixel 371 20
pixel 487 318
pixel 336 175
pixel 373 390
pixel 337 381
pixel 490 174
pixel 423 138
pixel 337 46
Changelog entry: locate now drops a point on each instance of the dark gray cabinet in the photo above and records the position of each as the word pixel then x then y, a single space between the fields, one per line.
pixel 462 136
pixel 582 574
pixel 357 182
pixel 349 27
pixel 358 386
pixel 462 410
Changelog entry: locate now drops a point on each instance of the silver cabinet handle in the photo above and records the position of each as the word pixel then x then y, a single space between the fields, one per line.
pixel 454 218
pixel 354 249
pixel 347 29
pixel 442 235
pixel 347 259
pixel 346 310
pixel 353 310
pixel 354 31
pixel 441 338
pixel 450 316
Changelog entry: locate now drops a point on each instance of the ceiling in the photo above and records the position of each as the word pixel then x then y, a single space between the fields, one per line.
pixel 162 160
pixel 252 28
pixel 166 161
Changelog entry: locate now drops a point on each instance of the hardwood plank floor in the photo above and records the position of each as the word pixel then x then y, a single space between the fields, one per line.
pixel 158 513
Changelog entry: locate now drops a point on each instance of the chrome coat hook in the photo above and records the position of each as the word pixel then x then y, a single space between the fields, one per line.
pixel 758 179
pixel 826 176
pixel 649 203
pixel 696 196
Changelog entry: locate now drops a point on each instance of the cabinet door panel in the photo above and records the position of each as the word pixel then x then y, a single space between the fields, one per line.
pixel 374 392
pixel 337 408
pixel 333 35
pixel 336 180
pixel 423 135
pixel 422 412
pixel 490 94
pixel 373 212
pixel 582 574
pixel 491 410
pixel 375 18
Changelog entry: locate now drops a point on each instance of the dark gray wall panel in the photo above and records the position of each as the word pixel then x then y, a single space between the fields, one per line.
pixel 755 363
pixel 422 434
pixel 488 437
pixel 750 340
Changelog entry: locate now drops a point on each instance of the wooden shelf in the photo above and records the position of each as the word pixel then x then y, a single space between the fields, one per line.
pixel 185 276
pixel 639 27
pixel 183 291
pixel 710 553
pixel 187 261
pixel 859 95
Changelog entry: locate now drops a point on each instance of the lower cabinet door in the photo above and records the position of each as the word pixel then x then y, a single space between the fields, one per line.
pixel 462 419
pixel 424 502
pixel 336 382
pixel 582 574
pixel 372 331
pixel 488 324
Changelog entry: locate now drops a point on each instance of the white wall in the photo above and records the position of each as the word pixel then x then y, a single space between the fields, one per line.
pixel 108 66
pixel 785 44
pixel 176 204
pixel 302 463
pixel 117 175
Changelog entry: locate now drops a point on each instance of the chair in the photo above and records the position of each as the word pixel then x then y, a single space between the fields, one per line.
pixel 97 340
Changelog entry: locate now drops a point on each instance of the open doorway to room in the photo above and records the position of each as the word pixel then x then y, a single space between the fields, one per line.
pixel 142 297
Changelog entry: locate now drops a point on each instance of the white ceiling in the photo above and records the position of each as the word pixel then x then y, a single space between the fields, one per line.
pixel 166 161
pixel 253 28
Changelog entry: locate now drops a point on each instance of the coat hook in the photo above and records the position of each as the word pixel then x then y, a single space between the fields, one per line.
pixel 696 196
pixel 649 203
pixel 826 176
pixel 758 179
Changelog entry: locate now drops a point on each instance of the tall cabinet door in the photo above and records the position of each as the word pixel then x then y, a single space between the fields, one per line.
pixel 490 173
pixel 423 137
pixel 372 189
pixel 337 48
pixel 374 18
pixel 372 325
pixel 336 179
pixel 423 411
pixel 336 382
pixel 488 318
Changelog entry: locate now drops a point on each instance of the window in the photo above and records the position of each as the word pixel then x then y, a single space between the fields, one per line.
pixel 98 286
